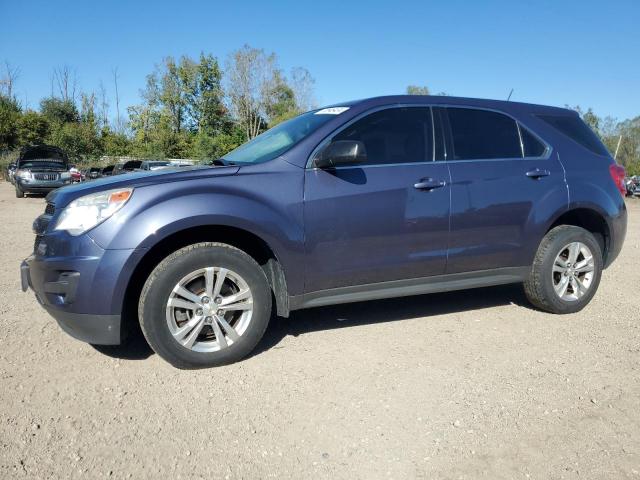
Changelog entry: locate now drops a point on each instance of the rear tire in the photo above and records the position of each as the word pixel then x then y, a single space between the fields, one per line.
pixel 566 271
pixel 205 305
pixel 19 193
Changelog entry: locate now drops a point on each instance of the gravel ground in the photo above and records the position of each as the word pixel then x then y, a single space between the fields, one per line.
pixel 469 384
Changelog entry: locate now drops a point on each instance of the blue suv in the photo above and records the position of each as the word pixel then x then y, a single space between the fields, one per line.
pixel 383 197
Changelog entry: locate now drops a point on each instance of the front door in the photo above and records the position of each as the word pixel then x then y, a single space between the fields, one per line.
pixel 386 219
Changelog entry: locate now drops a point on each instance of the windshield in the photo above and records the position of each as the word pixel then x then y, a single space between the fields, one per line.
pixel 277 140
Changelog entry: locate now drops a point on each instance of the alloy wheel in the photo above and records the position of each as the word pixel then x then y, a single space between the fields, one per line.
pixel 573 271
pixel 209 309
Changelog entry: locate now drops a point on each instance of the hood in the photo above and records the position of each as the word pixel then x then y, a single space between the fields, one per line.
pixel 35 152
pixel 63 196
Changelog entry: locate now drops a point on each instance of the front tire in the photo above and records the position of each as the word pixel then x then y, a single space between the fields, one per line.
pixel 205 305
pixel 566 271
pixel 19 193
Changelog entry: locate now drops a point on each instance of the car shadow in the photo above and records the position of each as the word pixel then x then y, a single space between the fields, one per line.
pixel 349 315
pixel 389 310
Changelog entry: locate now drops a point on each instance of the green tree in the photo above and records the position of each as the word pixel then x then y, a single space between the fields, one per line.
pixel 114 143
pixel 201 85
pixel 281 101
pixel 33 128
pixel 9 115
pixel 59 111
pixel 417 90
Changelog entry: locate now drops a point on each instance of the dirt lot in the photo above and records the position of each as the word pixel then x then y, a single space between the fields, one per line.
pixel 470 384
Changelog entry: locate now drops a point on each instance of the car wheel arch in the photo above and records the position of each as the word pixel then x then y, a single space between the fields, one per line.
pixel 249 242
pixel 589 217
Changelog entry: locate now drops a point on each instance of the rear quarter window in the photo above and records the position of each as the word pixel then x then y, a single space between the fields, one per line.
pixel 578 131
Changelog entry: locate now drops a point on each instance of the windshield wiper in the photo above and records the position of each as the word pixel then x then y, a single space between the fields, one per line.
pixel 222 162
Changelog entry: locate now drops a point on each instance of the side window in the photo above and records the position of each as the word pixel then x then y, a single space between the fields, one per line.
pixel 482 134
pixel 393 135
pixel 531 146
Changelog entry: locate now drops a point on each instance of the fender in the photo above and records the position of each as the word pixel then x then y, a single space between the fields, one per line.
pixel 547 210
pixel 266 210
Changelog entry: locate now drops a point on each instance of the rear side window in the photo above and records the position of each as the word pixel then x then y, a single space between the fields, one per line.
pixel 578 131
pixel 393 135
pixel 482 134
pixel 531 146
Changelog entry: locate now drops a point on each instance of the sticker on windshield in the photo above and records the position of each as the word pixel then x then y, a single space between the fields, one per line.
pixel 332 111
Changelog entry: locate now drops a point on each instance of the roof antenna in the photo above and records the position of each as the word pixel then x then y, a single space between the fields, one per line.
pixel 510 93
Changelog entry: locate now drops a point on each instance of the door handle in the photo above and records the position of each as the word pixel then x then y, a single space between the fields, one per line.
pixel 429 184
pixel 538 173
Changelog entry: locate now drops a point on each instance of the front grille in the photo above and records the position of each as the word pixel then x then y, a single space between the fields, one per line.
pixel 50 209
pixel 46 176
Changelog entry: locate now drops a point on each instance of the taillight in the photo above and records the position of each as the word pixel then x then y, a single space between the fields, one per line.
pixel 617 174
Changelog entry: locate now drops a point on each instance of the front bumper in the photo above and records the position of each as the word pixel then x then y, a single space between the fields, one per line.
pixel 82 291
pixel 36 186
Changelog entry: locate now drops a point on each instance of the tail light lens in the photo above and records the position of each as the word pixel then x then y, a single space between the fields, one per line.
pixel 617 174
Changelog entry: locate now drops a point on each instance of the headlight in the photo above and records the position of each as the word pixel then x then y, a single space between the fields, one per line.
pixel 65 175
pixel 24 174
pixel 88 211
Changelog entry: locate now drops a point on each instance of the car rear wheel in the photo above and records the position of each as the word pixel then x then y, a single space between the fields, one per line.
pixel 205 305
pixel 566 270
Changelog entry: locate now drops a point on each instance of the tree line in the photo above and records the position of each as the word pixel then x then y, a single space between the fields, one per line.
pixel 190 108
pixel 197 108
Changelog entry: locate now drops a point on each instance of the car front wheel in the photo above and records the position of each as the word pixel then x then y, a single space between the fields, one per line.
pixel 566 270
pixel 205 305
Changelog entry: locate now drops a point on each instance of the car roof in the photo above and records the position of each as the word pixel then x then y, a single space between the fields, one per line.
pixel 445 100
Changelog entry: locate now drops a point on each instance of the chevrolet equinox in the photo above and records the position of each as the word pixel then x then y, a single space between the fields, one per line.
pixel 377 198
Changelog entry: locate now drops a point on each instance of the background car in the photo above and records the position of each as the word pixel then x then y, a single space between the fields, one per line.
pixel 155 164
pixel 126 167
pixel 93 173
pixel 107 171
pixel 40 169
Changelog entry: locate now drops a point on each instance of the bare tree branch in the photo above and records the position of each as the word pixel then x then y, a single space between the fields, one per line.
pixel 8 79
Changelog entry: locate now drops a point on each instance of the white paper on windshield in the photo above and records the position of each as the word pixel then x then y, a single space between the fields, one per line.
pixel 332 111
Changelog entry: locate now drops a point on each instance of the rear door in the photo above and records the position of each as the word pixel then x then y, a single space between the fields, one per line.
pixel 387 219
pixel 505 183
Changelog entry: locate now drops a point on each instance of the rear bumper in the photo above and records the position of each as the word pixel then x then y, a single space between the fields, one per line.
pixel 617 232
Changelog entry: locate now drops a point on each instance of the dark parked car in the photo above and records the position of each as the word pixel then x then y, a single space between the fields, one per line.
pixel 107 171
pixel 93 173
pixel 126 167
pixel 155 164
pixel 40 169
pixel 377 198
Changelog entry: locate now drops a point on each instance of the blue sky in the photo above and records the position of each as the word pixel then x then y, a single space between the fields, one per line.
pixel 553 52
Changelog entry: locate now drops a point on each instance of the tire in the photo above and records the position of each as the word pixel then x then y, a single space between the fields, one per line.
pixel 549 267
pixel 228 337
pixel 19 193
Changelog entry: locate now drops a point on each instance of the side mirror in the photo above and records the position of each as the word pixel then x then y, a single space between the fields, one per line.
pixel 341 152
